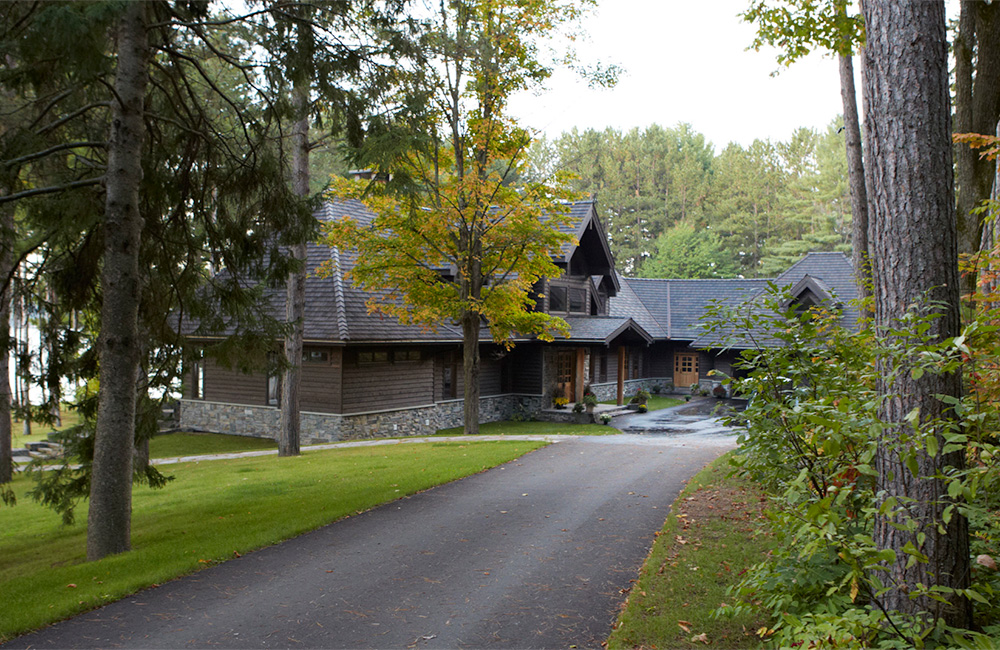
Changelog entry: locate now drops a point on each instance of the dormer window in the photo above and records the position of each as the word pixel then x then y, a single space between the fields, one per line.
pixel 567 300
pixel 557 299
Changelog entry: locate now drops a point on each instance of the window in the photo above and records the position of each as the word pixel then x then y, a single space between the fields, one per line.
pixel 273 380
pixel 578 301
pixel 449 376
pixel 557 299
pixel 373 356
pixel 314 355
pixel 406 355
pixel 198 380
pixel 604 365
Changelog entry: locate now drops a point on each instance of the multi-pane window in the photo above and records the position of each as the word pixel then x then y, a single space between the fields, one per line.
pixel 373 356
pixel 557 299
pixel 567 300
pixel 406 355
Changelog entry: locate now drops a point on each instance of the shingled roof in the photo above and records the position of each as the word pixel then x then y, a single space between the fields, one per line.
pixel 827 275
pixel 336 310
pixel 678 305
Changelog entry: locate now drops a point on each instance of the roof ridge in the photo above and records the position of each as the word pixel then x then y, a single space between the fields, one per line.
pixel 702 279
pixel 806 256
pixel 338 293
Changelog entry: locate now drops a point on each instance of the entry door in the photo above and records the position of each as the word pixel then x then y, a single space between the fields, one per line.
pixel 685 369
pixel 566 372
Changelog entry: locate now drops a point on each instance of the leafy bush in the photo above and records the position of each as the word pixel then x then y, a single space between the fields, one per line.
pixel 810 435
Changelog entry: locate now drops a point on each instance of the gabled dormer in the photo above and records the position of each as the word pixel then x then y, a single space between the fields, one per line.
pixel 810 292
pixel 589 279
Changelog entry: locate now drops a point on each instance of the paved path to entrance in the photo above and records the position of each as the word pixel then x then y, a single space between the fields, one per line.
pixel 536 553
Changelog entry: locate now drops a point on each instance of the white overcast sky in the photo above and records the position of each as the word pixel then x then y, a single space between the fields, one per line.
pixel 687 61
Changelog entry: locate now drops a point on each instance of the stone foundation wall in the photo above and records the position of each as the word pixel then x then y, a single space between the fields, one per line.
pixel 609 390
pixel 264 421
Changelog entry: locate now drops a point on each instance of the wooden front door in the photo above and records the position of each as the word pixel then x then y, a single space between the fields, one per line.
pixel 566 373
pixel 685 369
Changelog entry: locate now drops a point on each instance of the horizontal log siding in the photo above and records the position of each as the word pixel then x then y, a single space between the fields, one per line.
pixel 380 386
pixel 319 391
pixel 489 376
pixel 526 366
pixel 232 386
pixel 661 356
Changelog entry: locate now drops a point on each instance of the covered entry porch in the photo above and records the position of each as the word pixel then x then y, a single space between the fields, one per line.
pixel 598 351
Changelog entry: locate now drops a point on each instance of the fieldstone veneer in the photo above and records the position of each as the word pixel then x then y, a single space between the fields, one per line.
pixel 262 421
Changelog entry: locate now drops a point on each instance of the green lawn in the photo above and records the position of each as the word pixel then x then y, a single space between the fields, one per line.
pixel 162 446
pixel 211 511
pixel 714 532
pixel 41 431
pixel 656 402
pixel 507 428
pixel 196 444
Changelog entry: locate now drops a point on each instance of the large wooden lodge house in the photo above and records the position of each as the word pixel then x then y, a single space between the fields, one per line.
pixel 365 375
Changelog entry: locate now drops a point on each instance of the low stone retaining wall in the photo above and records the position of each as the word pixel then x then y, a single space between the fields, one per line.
pixel 264 421
pixel 609 391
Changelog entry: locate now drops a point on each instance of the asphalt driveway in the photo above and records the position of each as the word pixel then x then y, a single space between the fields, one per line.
pixel 537 553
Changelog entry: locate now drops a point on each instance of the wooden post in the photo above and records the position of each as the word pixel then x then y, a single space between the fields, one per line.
pixel 621 375
pixel 580 360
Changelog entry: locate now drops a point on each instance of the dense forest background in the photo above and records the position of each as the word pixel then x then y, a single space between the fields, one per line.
pixel 676 208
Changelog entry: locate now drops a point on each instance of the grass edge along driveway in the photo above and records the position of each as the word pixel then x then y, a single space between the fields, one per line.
pixel 212 512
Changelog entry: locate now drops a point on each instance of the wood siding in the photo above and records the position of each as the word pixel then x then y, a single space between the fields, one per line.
pixel 321 383
pixel 234 387
pixel 386 385
pixel 661 360
pixel 526 369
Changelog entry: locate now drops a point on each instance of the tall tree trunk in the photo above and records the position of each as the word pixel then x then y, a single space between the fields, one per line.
pixel 914 254
pixel 977 109
pixel 295 300
pixel 989 273
pixel 855 174
pixel 109 517
pixel 23 372
pixel 7 238
pixel 470 371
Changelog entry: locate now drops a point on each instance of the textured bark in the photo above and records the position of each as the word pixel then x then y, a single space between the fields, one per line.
pixel 855 173
pixel 6 267
pixel 109 517
pixel 470 371
pixel 914 253
pixel 977 109
pixel 295 301
pixel 989 274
